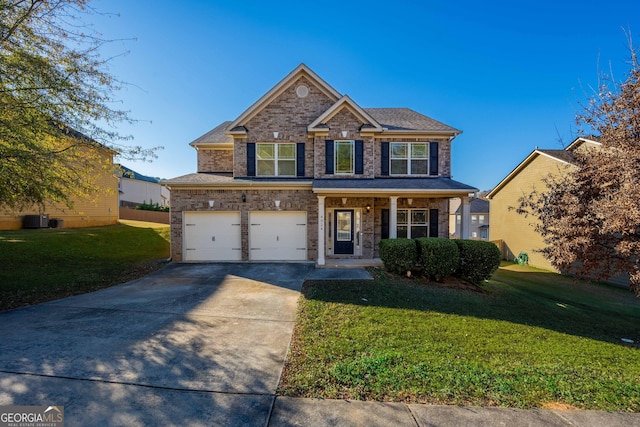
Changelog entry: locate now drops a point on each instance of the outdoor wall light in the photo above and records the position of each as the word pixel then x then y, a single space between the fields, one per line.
pixel 244 198
pixel 368 208
pixel 344 133
pixel 211 202
pixel 275 135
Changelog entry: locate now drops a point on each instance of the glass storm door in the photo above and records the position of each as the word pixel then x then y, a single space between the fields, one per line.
pixel 343 236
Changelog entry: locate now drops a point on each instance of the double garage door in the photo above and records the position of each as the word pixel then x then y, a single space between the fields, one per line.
pixel 273 236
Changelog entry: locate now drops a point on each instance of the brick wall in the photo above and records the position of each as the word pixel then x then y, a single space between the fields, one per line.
pixel 215 160
pixel 288 115
pixel 231 200
pixel 444 153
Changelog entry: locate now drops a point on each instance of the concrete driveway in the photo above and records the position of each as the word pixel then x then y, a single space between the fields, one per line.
pixel 191 344
pixel 201 345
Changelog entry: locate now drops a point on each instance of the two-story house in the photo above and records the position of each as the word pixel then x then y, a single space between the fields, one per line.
pixel 305 173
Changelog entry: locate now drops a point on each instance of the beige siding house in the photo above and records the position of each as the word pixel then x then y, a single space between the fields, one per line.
pixel 307 174
pixel 515 231
pixel 98 209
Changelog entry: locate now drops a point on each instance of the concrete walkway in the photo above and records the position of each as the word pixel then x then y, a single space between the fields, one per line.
pixel 199 345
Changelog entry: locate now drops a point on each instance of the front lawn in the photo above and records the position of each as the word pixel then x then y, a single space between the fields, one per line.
pixel 528 339
pixel 47 264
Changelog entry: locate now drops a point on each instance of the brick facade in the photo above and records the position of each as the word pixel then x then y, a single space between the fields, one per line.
pixel 218 160
pixel 284 111
pixel 231 200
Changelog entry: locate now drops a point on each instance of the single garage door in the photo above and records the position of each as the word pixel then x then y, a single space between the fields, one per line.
pixel 278 236
pixel 212 236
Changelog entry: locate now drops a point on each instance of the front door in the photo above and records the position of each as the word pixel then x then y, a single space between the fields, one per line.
pixel 343 243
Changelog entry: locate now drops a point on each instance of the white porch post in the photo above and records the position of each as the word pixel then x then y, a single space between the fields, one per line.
pixel 393 217
pixel 321 230
pixel 465 220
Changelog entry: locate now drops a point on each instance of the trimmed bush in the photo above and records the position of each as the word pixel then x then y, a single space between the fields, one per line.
pixel 478 260
pixel 439 257
pixel 398 255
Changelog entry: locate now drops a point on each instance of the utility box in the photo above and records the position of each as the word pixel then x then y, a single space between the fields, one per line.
pixel 35 221
pixel 56 223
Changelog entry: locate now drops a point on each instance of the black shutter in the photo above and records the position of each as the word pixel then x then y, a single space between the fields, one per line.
pixel 433 158
pixel 329 157
pixel 385 223
pixel 251 159
pixel 359 169
pixel 433 222
pixel 300 159
pixel 384 156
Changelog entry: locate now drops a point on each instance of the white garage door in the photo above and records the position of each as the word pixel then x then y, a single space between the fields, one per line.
pixel 212 236
pixel 278 236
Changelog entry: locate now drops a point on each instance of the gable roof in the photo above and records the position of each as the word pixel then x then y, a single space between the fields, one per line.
pixel 565 156
pixel 355 109
pixel 405 119
pixel 300 70
pixel 215 137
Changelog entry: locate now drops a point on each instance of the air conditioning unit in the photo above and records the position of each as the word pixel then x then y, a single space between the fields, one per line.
pixel 35 221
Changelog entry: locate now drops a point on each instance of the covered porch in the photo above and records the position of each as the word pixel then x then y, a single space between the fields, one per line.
pixel 355 214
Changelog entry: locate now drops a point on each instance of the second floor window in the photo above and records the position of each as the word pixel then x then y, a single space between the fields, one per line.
pixel 345 157
pixel 276 159
pixel 409 158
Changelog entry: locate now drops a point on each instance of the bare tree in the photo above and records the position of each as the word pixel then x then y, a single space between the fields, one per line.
pixel 590 218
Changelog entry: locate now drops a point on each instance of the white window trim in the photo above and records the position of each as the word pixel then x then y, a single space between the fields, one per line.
pixel 407 159
pixel 409 224
pixel 353 157
pixel 275 159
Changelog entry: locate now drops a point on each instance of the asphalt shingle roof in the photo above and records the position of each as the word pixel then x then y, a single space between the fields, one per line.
pixel 393 184
pixel 215 135
pixel 563 155
pixel 407 119
pixel 477 205
pixel 131 174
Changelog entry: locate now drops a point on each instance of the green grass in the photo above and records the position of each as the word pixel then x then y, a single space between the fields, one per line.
pixel 42 265
pixel 529 339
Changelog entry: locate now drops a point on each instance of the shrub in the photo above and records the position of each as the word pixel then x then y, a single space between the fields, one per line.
pixel 152 207
pixel 398 255
pixel 478 260
pixel 439 257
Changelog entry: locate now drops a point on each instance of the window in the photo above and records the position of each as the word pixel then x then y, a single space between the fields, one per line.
pixel 474 218
pixel 412 223
pixel 409 158
pixel 481 219
pixel 276 159
pixel 344 157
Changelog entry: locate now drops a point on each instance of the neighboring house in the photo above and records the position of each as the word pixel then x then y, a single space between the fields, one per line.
pixel 307 174
pixel 479 225
pixel 517 231
pixel 97 209
pixel 136 189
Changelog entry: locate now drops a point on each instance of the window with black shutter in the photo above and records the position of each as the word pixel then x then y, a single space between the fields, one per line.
pixel 251 159
pixel 329 157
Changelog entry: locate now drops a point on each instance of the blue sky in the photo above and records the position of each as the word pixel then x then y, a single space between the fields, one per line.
pixel 509 74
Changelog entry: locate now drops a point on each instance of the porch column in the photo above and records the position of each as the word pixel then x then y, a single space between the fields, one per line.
pixel 393 217
pixel 465 220
pixel 321 230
